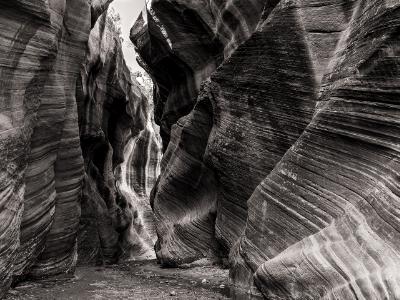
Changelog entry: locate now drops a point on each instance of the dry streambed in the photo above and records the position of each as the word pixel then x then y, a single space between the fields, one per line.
pixel 133 280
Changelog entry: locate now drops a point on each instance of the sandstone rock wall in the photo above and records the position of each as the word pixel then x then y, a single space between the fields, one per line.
pixel 286 160
pixel 182 42
pixel 42 45
pixel 65 119
pixel 136 177
pixel 121 153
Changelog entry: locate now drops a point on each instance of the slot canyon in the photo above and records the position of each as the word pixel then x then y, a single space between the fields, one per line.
pixel 253 156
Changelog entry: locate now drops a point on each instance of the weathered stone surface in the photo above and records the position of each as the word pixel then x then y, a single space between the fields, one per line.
pixel 97 9
pixel 114 117
pixel 136 177
pixel 330 226
pixel 182 42
pixel 59 130
pixel 42 45
pixel 288 159
pixel 188 40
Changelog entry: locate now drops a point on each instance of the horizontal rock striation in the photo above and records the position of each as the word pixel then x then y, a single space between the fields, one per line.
pixel 182 42
pixel 288 159
pixel 42 44
pixel 337 188
pixel 59 130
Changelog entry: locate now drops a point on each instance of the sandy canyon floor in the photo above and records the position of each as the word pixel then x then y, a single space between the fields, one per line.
pixel 133 280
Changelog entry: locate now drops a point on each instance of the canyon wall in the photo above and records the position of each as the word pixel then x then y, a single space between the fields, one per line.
pixel 279 126
pixel 42 45
pixel 68 108
pixel 110 111
pixel 136 177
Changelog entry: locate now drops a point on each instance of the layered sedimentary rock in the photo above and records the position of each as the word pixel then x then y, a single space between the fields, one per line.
pixel 59 132
pixel 337 188
pixel 136 177
pixel 288 159
pixel 42 45
pixel 115 122
pixel 182 42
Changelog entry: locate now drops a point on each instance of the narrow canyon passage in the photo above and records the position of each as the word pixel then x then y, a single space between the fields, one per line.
pixel 200 149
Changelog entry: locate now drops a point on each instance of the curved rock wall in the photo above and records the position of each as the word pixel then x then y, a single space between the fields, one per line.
pixel 337 187
pixel 42 45
pixel 64 124
pixel 188 40
pixel 114 116
pixel 136 177
pixel 182 42
pixel 287 161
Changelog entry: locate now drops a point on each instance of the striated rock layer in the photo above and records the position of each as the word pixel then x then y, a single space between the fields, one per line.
pixel 114 117
pixel 286 157
pixel 337 188
pixel 136 177
pixel 64 124
pixel 182 42
pixel 42 45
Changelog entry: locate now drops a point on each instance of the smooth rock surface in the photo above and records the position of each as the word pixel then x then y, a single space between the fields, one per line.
pixel 68 108
pixel 42 45
pixel 136 177
pixel 182 42
pixel 287 159
pixel 118 140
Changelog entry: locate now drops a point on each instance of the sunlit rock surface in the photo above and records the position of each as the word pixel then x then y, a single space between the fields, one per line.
pixel 136 177
pixel 285 159
pixel 118 140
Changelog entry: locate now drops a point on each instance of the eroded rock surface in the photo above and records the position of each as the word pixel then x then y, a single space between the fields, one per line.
pixel 118 142
pixel 42 45
pixel 68 108
pixel 182 42
pixel 136 177
pixel 285 159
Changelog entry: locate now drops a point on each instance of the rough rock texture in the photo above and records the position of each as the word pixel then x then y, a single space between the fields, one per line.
pixel 59 130
pixel 114 116
pixel 97 9
pixel 287 160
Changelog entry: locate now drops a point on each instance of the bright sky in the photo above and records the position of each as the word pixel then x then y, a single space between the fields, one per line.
pixel 129 11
